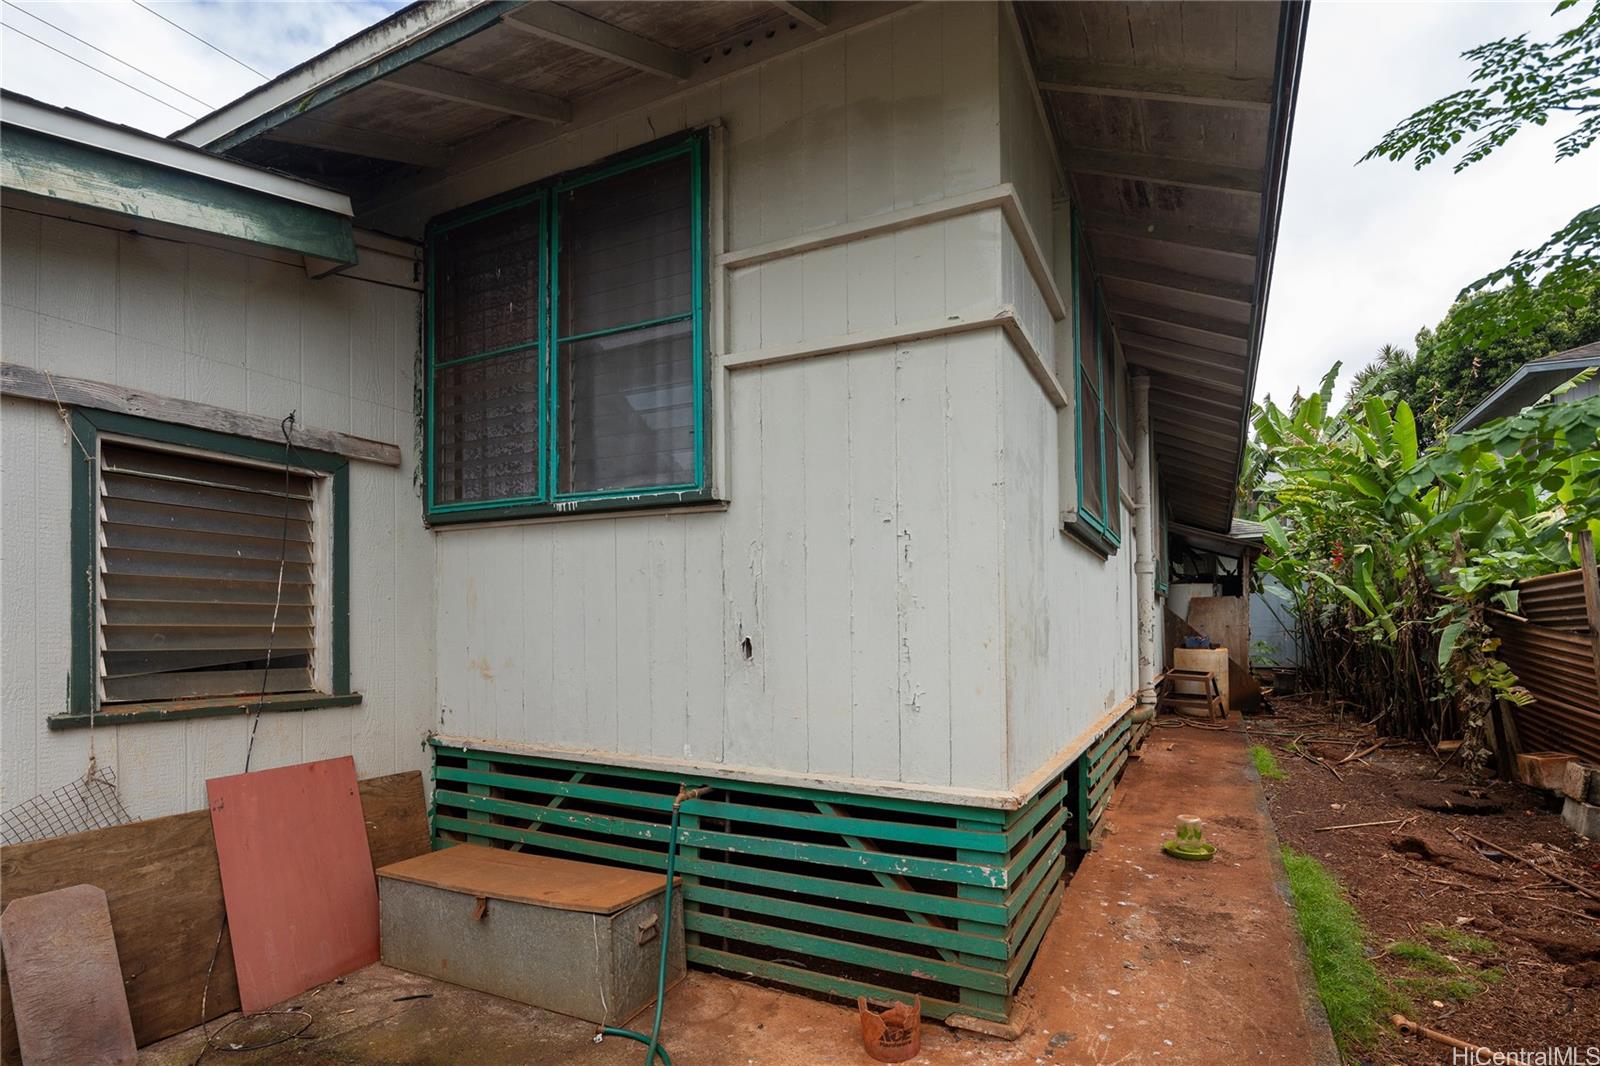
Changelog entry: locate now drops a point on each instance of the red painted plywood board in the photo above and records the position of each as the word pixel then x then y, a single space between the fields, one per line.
pixel 297 878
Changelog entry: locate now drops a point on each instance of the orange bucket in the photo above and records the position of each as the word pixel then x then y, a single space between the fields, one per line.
pixel 892 1033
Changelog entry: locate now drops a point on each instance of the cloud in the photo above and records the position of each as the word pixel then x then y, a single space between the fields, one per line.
pixel 272 37
pixel 1369 254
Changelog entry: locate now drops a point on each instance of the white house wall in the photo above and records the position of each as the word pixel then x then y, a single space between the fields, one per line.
pixel 239 332
pixel 859 554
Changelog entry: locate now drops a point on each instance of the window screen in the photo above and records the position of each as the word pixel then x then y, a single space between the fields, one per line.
pixel 626 366
pixel 189 556
pixel 1100 396
pixel 579 379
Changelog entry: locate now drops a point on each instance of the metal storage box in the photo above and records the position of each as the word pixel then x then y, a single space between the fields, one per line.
pixel 571 937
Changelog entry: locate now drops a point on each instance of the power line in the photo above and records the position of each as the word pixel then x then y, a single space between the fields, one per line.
pixel 202 40
pixel 109 56
pixel 103 73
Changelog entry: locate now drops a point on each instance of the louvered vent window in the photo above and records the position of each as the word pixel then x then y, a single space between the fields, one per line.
pixel 190 549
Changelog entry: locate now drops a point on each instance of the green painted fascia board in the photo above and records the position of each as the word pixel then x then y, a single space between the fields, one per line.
pixel 40 165
pixel 443 37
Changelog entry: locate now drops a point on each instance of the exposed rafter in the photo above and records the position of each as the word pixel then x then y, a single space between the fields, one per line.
pixel 319 134
pixel 443 84
pixel 1165 170
pixel 1144 83
pixel 1111 224
pixel 1178 281
pixel 813 13
pixel 1188 370
pixel 576 30
pixel 1237 332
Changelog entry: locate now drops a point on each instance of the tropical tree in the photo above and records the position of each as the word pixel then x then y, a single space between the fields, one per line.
pixel 1451 370
pixel 1517 82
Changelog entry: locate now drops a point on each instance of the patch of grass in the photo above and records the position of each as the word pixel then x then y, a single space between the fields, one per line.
pixel 1353 992
pixel 1459 939
pixel 1450 980
pixel 1267 764
pixel 1421 956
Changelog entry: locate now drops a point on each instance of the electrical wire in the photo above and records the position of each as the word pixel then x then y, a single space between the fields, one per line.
pixel 255 720
pixel 102 73
pixel 108 55
pixel 202 40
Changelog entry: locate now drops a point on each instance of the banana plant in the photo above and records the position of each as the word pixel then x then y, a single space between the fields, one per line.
pixel 1392 554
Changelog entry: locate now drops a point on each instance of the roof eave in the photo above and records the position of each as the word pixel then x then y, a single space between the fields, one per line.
pixel 1286 84
pixel 410 34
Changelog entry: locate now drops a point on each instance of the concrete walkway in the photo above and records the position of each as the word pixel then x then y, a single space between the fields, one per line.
pixel 1151 961
pixel 1155 960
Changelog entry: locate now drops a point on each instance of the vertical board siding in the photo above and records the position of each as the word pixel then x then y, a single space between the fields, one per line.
pixel 233 331
pixel 860 551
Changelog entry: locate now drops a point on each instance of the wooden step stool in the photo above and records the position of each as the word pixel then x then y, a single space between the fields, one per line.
pixel 1207 703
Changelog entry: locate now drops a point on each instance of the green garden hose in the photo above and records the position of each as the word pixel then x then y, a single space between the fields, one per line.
pixel 655 1052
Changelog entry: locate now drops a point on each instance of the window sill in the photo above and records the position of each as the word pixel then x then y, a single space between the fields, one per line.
pixel 182 710
pixel 681 502
pixel 1091 538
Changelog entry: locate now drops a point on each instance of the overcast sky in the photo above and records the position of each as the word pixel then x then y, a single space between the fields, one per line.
pixel 1369 254
pixel 1366 255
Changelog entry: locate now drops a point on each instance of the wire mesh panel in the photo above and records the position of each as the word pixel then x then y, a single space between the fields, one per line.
pixel 89 803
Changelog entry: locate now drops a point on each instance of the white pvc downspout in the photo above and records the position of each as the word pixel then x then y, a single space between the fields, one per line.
pixel 1144 535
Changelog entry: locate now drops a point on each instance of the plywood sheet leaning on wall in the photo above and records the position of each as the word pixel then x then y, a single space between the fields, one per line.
pixel 302 897
pixel 161 881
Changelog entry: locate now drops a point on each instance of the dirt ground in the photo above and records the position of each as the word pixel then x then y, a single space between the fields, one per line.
pixel 1522 955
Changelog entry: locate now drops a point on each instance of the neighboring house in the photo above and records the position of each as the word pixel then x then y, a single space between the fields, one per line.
pixel 1534 379
pixel 799 391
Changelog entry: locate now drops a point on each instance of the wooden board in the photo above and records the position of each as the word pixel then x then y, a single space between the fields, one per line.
pixel 161 881
pixel 296 877
pixel 523 878
pixel 71 1009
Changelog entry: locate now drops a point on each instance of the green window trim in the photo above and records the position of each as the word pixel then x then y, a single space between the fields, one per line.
pixel 83 676
pixel 547 500
pixel 1103 533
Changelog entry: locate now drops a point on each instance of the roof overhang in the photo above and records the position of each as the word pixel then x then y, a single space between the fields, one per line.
pixel 1530 381
pixel 51 156
pixel 1172 122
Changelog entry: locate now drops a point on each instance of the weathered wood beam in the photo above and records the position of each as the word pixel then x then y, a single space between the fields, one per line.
pixel 1142 83
pixel 1191 434
pixel 1180 394
pixel 813 13
pixel 1210 416
pixel 1176 280
pixel 586 34
pixel 1188 372
pixel 442 84
pixel 1165 170
pixel 1226 242
pixel 316 133
pixel 41 385
pixel 1210 357
pixel 1172 316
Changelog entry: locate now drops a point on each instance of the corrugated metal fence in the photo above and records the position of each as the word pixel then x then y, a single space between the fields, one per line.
pixel 1552 646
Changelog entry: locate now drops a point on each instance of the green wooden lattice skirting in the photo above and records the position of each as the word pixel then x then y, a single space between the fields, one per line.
pixel 835 893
